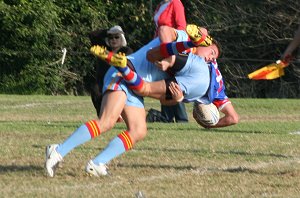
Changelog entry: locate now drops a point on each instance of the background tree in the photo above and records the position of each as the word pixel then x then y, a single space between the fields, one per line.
pixel 33 34
pixel 252 34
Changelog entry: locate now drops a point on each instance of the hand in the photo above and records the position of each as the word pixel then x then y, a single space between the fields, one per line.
pixel 176 92
pixel 162 65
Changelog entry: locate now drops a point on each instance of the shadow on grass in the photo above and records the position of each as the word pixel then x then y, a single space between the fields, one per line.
pixel 202 170
pixel 231 131
pixel 191 168
pixel 230 152
pixel 19 168
pixel 181 129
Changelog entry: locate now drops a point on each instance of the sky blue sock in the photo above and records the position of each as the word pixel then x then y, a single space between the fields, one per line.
pixel 80 136
pixel 113 149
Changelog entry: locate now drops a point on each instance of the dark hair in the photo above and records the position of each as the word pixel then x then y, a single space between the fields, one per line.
pixel 218 46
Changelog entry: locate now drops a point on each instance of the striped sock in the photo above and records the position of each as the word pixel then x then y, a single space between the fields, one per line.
pixel 174 48
pixel 83 134
pixel 93 128
pixel 133 80
pixel 116 147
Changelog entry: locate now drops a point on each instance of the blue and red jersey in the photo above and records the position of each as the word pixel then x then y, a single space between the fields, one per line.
pixel 216 92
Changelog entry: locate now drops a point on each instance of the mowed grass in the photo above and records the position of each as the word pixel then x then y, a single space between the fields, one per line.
pixel 259 157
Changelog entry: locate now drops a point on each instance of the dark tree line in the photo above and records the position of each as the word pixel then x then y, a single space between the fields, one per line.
pixel 33 34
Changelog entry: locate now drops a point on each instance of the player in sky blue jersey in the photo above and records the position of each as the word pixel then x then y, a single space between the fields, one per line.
pixel 190 74
pixel 117 100
pixel 193 78
pixel 191 71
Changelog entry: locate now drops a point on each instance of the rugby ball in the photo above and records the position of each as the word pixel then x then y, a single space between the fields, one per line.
pixel 206 114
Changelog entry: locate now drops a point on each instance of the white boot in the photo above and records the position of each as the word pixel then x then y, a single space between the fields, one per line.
pixel 96 170
pixel 52 159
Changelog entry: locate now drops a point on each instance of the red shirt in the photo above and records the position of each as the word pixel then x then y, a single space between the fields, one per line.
pixel 171 15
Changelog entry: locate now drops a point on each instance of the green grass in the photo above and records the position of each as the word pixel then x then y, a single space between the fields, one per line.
pixel 259 157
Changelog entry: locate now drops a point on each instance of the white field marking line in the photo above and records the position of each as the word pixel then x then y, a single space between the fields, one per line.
pixel 35 104
pixel 91 186
pixel 295 133
pixel 56 188
pixel 245 168
pixel 203 171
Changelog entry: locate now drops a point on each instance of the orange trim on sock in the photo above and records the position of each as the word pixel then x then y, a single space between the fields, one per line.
pixel 124 136
pixel 93 128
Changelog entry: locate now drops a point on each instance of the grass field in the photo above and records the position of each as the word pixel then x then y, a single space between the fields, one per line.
pixel 259 157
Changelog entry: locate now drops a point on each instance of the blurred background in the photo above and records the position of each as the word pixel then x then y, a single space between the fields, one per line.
pixel 34 34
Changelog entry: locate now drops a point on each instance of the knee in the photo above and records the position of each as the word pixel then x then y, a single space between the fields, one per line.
pixel 138 134
pixel 234 119
pixel 142 134
pixel 106 124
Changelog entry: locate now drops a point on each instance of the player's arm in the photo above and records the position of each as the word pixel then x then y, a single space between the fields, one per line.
pixel 156 89
pixel 176 95
pixel 167 102
pixel 168 94
pixel 230 117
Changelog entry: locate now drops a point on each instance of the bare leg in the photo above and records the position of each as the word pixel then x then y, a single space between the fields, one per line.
pixel 155 89
pixel 112 105
pixel 135 119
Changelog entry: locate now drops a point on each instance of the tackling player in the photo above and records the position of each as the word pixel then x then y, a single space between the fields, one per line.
pixel 117 100
pixel 187 76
